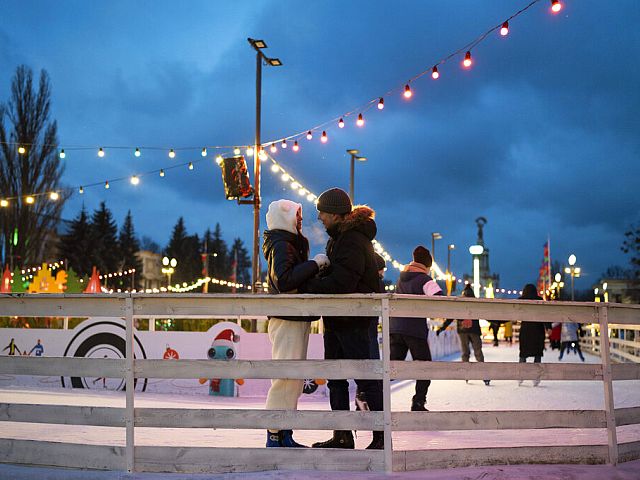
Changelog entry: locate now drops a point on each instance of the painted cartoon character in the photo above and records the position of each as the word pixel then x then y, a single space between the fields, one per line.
pixel 170 354
pixel 12 347
pixel 38 348
pixel 223 348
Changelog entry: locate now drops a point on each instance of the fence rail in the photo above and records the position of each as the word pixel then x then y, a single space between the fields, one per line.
pixel 134 457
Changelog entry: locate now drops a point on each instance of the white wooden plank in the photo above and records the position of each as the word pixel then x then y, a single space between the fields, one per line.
pixel 52 305
pixel 497 420
pixel 386 389
pixel 423 459
pixel 130 387
pixel 252 419
pixel 225 460
pixel 627 416
pixel 207 305
pixel 629 451
pixel 361 369
pixel 62 366
pixel 607 382
pixel 625 371
pixel 624 314
pixel 625 355
pixel 61 414
pixel 407 370
pixel 72 455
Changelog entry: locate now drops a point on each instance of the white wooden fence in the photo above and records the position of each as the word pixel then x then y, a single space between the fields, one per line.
pixel 207 459
pixel 621 349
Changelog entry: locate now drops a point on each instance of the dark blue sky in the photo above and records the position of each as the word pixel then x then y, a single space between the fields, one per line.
pixel 541 137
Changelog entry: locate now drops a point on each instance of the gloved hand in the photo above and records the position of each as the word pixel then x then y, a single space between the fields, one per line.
pixel 322 260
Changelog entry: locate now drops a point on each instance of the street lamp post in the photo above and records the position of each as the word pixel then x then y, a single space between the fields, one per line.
pixel 605 294
pixel 258 46
pixel 434 236
pixel 558 284
pixel 573 271
pixel 354 156
pixel 169 268
pixel 449 280
pixel 476 251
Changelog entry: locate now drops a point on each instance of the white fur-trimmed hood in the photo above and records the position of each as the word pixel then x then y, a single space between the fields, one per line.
pixel 282 215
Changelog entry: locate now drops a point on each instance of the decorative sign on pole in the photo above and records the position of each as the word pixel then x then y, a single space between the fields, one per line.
pixel 236 178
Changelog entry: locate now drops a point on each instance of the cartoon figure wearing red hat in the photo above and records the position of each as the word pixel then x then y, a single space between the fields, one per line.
pixel 223 348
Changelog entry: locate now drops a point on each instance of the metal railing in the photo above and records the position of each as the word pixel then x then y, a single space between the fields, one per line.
pixel 133 457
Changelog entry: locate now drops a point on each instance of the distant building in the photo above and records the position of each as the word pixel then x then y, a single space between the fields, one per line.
pixel 619 290
pixel 488 282
pixel 152 276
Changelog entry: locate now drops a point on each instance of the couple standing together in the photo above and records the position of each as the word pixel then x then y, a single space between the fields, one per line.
pixel 349 266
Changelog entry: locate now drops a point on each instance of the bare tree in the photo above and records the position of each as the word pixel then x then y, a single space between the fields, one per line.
pixel 27 228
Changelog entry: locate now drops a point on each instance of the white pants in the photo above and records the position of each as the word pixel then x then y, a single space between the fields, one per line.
pixel 289 341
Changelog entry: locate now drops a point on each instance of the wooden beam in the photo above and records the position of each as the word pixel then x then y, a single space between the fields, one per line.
pixel 627 416
pixel 61 414
pixel 497 420
pixel 55 305
pixel 62 366
pixel 625 371
pixel 629 451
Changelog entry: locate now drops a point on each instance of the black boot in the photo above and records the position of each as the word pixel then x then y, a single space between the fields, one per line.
pixel 378 441
pixel 417 406
pixel 340 439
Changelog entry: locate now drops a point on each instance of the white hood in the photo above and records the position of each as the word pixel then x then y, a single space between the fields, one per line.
pixel 282 215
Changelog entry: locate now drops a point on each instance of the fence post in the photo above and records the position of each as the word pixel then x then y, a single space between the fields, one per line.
pixel 129 385
pixel 386 387
pixel 607 380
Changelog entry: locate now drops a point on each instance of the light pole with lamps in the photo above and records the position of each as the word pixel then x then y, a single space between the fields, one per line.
pixel 558 283
pixel 573 271
pixel 169 268
pixel 258 46
pixel 449 280
pixel 354 156
pixel 605 294
pixel 434 236
pixel 476 251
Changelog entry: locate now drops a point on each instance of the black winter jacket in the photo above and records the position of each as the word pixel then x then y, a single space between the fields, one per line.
pixel 353 266
pixel 287 260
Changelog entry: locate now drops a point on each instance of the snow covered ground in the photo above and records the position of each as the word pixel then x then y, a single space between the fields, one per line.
pixel 443 396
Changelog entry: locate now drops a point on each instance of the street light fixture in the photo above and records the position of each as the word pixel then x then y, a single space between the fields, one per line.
pixel 604 291
pixel 258 46
pixel 573 271
pixel 354 156
pixel 168 268
pixel 449 280
pixel 434 236
pixel 476 251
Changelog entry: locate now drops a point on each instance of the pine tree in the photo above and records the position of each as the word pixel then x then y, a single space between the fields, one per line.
pixel 73 282
pixel 129 247
pixel 243 268
pixel 26 228
pixel 105 253
pixel 220 265
pixel 75 247
pixel 631 246
pixel 19 285
pixel 186 250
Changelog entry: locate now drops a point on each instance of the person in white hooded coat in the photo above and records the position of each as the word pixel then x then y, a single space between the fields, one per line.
pixel 287 251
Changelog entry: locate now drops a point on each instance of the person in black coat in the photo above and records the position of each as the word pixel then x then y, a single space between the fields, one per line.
pixel 532 334
pixel 287 253
pixel 353 269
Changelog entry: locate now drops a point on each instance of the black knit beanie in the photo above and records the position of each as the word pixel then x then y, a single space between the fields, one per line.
pixel 334 200
pixel 423 256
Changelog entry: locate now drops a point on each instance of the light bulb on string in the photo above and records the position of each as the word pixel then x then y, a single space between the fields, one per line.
pixel 275 168
pixel 309 135
pixel 137 152
pixel 285 177
pixel 162 172
pixel 22 150
pixel 556 6
pixel 324 138
pixel 360 121
pixel 100 152
pixel 381 103
pixel 106 185
pixel 172 153
pixel 434 73
pixel 135 180
pixel 284 144
pixel 54 196
pixel 341 123
pixel 295 185
pixel 4 203
pixel 467 60
pixel 249 151
pixel 504 30
pixel 30 200
pixel 262 155
pixel 204 152
pixel 219 159
pixel 62 154
pixel 273 148
pixel 296 147
pixel 81 190
pixel 310 197
pixel 190 165
pixel 236 151
pixel 407 91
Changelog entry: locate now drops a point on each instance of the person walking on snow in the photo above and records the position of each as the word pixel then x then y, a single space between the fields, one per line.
pixel 469 333
pixel 569 338
pixel 353 269
pixel 409 334
pixel 286 250
pixel 532 334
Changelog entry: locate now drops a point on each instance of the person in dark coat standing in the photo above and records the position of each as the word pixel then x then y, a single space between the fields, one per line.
pixel 353 269
pixel 532 334
pixel 287 253
pixel 411 334
pixel 469 333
